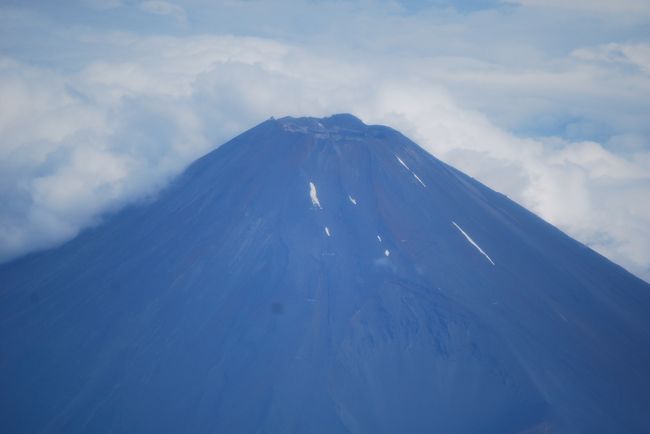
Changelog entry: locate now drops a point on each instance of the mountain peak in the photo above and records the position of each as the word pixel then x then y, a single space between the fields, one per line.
pixel 332 124
pixel 322 275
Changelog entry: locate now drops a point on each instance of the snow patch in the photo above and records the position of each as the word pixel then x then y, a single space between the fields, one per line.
pixel 473 242
pixel 402 163
pixel 353 200
pixel 419 180
pixel 386 252
pixel 327 231
pixel 409 169
pixel 379 238
pixel 314 195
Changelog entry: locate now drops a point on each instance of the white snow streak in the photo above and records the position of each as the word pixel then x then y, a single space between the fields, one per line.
pixel 472 242
pixel 327 231
pixel 386 252
pixel 419 180
pixel 353 200
pixel 402 163
pixel 409 169
pixel 379 238
pixel 313 195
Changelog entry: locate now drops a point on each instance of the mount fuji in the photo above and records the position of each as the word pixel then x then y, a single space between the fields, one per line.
pixel 323 276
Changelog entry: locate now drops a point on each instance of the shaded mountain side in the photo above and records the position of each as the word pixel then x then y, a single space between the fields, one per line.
pixel 323 276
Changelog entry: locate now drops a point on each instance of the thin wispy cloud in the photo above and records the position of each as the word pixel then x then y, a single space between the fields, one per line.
pixel 160 7
pixel 597 6
pixel 97 116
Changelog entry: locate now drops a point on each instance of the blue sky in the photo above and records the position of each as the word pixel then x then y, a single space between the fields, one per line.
pixel 102 102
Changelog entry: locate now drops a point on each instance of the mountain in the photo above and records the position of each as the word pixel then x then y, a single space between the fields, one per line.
pixel 323 276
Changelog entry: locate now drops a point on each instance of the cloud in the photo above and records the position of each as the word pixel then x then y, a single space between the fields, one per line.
pixel 599 6
pixel 71 150
pixel 102 5
pixel 637 55
pixel 562 132
pixel 161 7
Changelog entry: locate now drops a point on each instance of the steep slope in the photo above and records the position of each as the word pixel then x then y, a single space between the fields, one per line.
pixel 323 276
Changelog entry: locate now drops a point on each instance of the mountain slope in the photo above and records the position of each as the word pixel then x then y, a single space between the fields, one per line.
pixel 323 276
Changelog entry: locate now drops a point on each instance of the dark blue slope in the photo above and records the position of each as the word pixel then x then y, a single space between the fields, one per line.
pixel 434 305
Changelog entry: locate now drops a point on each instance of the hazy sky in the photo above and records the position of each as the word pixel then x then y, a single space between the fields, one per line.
pixel 547 101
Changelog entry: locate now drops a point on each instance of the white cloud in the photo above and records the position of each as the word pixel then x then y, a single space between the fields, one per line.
pixel 161 7
pixel 102 5
pixel 626 54
pixel 599 6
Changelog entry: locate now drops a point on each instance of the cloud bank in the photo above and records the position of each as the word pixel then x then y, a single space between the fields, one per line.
pixel 118 112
